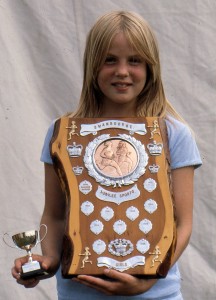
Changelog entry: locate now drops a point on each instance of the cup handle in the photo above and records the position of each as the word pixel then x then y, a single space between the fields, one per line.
pixel 41 239
pixel 6 235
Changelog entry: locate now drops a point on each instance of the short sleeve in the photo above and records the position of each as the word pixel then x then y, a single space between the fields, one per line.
pixel 182 145
pixel 45 154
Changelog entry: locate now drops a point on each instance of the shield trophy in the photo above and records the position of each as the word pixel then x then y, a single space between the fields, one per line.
pixel 26 241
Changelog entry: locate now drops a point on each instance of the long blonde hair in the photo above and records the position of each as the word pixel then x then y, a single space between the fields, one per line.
pixel 152 100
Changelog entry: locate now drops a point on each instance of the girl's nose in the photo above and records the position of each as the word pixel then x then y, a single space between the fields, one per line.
pixel 122 70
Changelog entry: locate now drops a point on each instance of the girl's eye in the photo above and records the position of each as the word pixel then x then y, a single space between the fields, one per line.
pixel 110 60
pixel 135 60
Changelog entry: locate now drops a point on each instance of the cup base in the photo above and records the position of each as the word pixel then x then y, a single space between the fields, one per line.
pixel 31 270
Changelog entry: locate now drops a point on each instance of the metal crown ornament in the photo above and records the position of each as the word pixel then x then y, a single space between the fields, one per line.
pixel 74 150
pixel 154 168
pixel 155 148
pixel 77 170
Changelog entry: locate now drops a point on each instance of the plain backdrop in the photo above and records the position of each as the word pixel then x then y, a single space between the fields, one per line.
pixel 41 49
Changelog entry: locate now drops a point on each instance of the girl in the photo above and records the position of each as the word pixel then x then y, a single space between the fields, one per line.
pixel 122 78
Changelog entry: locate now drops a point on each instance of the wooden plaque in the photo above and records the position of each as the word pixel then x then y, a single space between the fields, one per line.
pixel 120 209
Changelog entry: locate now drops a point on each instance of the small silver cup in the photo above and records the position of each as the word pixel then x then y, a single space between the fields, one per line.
pixel 26 241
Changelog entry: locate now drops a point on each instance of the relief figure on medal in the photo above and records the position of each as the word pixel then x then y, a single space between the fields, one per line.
pixel 115 158
pixel 115 161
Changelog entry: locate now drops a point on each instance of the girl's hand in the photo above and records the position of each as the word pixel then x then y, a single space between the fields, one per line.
pixel 122 284
pixel 48 263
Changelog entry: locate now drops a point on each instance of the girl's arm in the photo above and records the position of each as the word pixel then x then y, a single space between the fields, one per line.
pixel 54 217
pixel 53 214
pixel 183 188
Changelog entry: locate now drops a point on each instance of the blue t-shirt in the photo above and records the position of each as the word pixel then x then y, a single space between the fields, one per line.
pixel 183 153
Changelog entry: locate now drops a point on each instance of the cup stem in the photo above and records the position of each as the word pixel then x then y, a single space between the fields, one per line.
pixel 30 256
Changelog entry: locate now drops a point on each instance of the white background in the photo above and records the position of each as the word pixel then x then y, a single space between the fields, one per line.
pixel 41 48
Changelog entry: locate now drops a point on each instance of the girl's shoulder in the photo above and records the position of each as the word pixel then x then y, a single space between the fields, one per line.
pixel 182 145
pixel 176 126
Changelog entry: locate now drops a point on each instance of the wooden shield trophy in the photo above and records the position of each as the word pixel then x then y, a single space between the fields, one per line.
pixel 120 210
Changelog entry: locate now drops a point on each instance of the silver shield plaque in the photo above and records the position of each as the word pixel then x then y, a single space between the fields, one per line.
pixel 150 206
pixel 132 213
pixel 142 246
pixel 107 213
pixel 99 246
pixel 87 208
pixel 96 226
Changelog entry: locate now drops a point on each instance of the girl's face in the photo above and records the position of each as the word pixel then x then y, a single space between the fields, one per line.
pixel 122 78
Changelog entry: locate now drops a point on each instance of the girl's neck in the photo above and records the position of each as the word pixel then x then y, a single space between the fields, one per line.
pixel 117 115
pixel 118 112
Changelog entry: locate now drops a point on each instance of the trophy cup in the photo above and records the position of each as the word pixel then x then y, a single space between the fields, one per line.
pixel 26 241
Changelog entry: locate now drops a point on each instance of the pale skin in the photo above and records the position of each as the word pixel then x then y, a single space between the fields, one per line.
pixel 123 98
